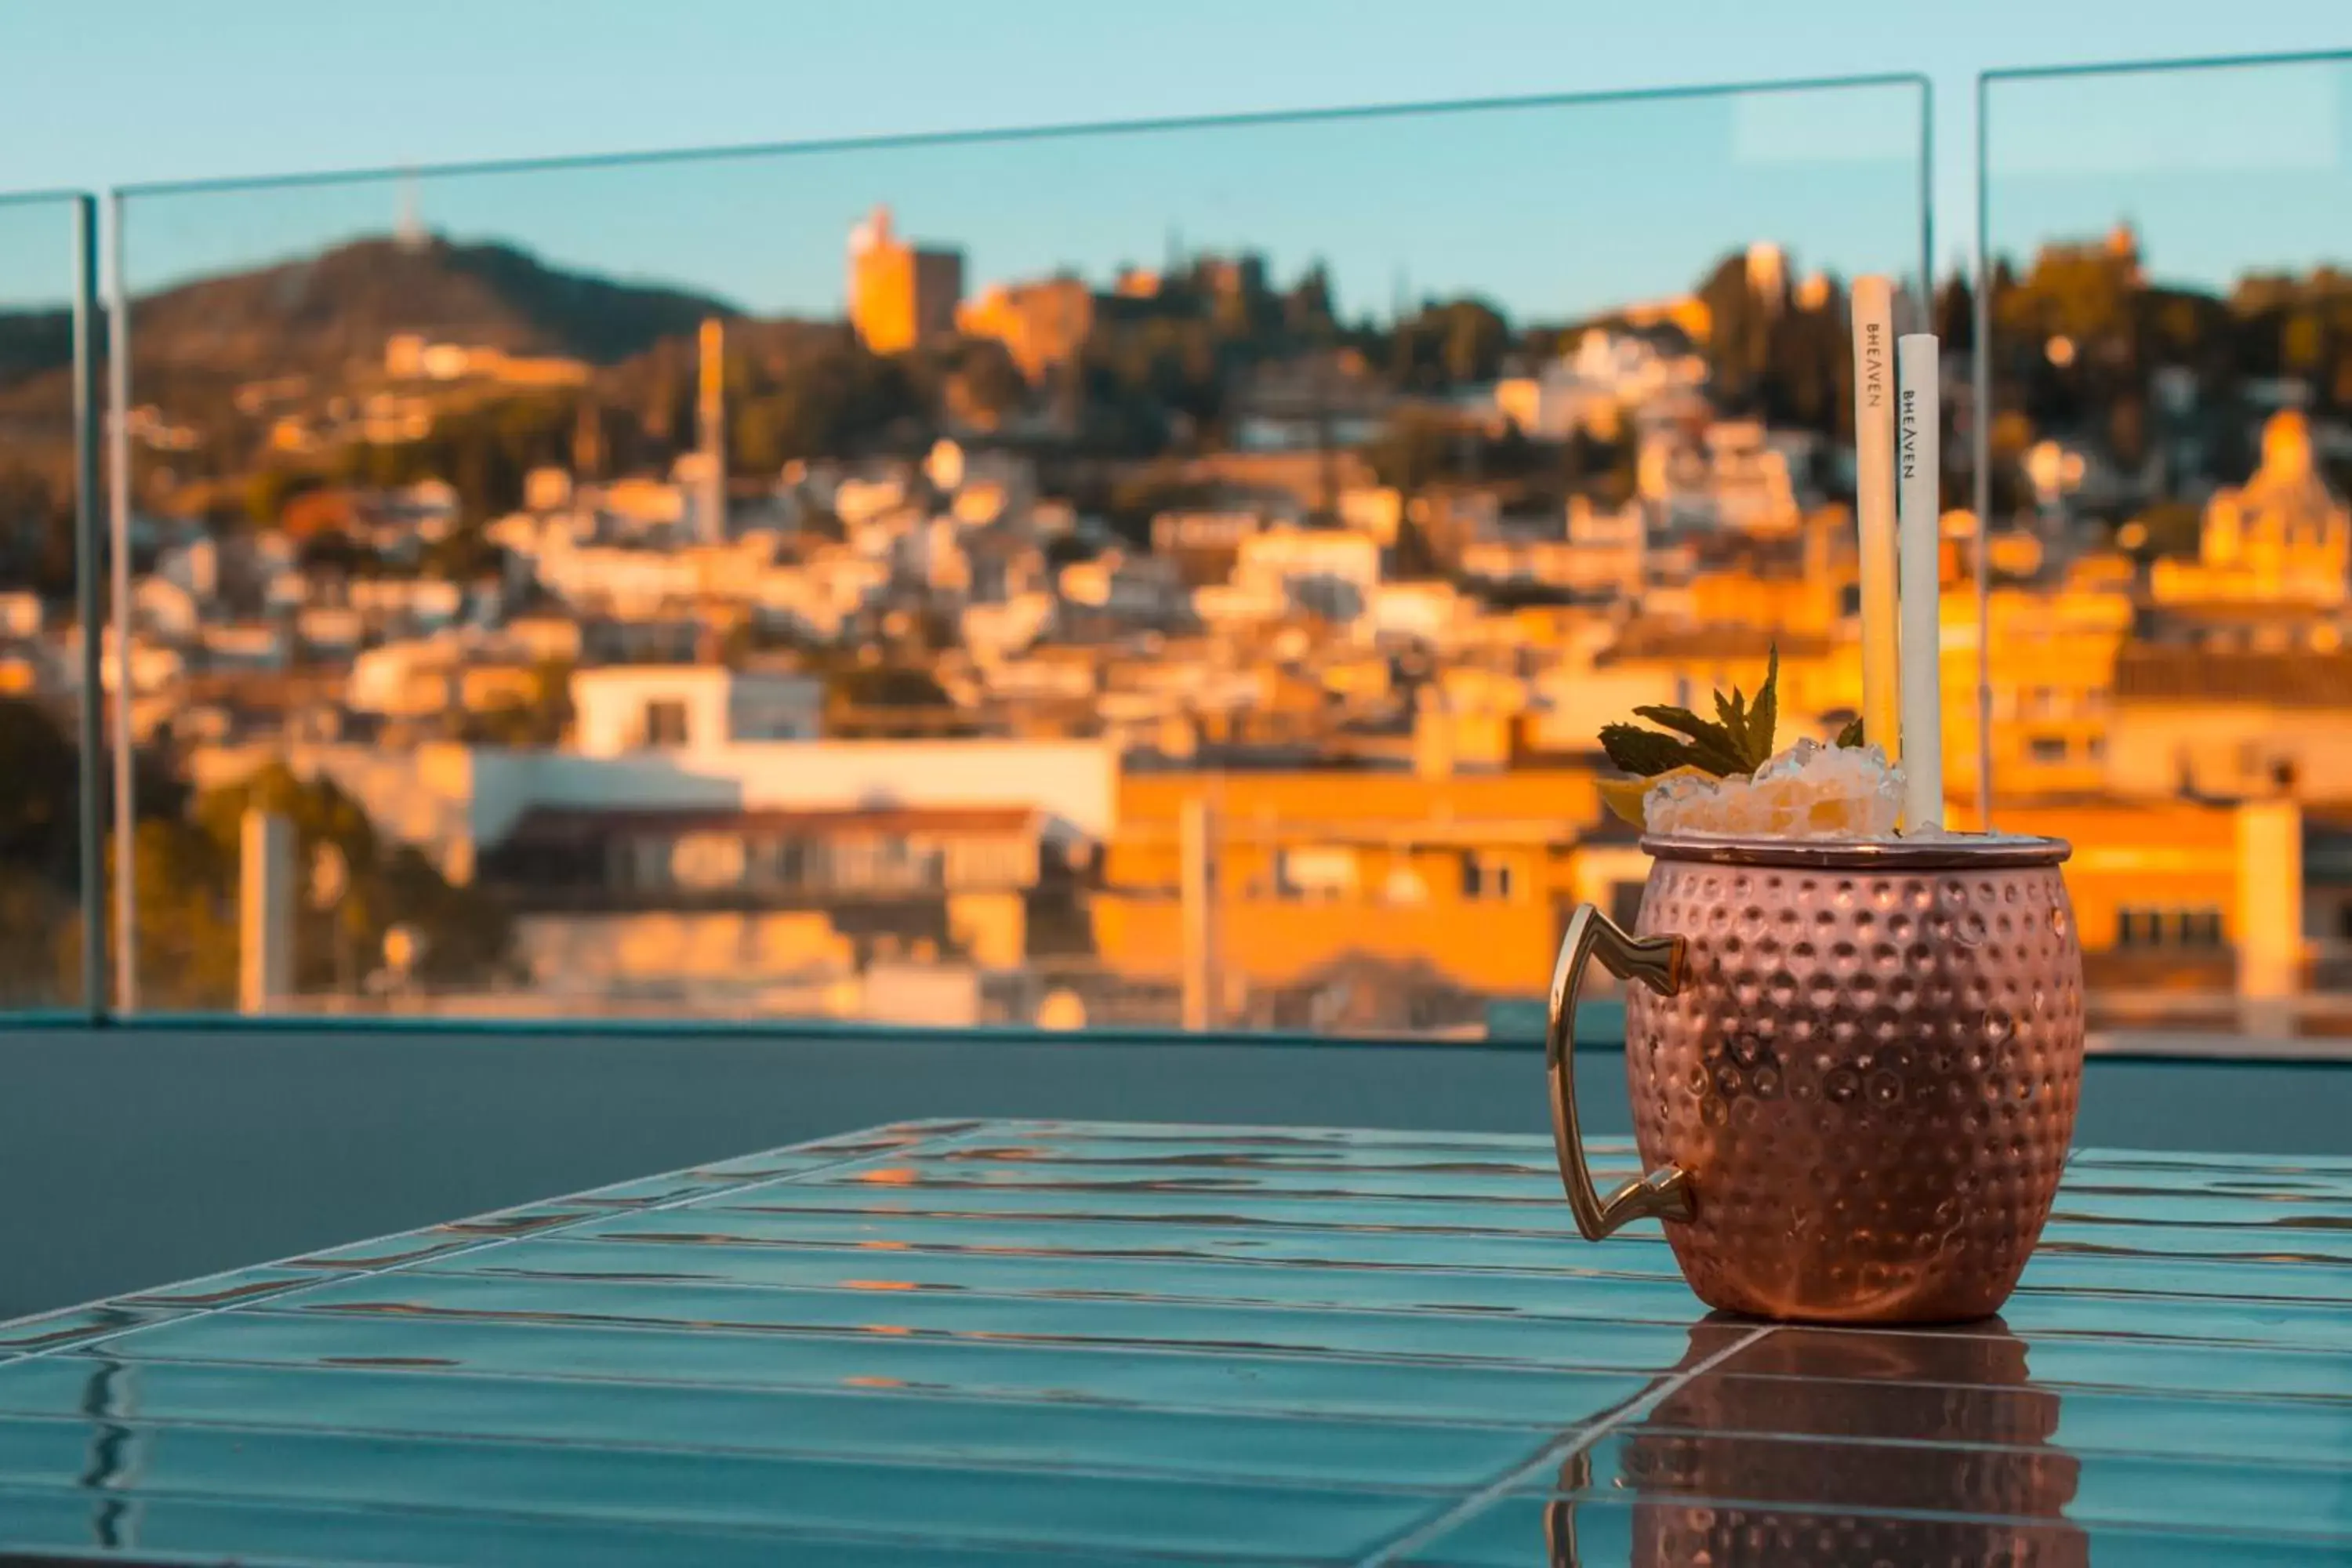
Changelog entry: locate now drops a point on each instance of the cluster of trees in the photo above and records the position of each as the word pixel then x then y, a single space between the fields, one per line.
pixel 185 851
pixel 36 533
pixel 2080 337
pixel 2083 343
pixel 1457 342
pixel 1774 356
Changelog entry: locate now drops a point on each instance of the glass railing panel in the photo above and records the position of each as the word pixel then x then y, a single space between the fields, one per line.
pixel 42 744
pixel 2169 460
pixel 1128 577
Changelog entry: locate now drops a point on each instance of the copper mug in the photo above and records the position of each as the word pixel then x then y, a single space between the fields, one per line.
pixel 1853 1067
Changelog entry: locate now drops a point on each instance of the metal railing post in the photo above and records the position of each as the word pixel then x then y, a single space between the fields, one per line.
pixel 118 452
pixel 90 603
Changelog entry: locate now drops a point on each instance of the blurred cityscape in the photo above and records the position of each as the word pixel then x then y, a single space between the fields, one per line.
pixel 1129 651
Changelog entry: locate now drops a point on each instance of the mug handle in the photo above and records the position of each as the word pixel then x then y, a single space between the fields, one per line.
pixel 1658 963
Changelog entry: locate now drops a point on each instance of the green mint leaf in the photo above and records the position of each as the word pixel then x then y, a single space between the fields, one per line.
pixel 1850 738
pixel 1733 713
pixel 1765 717
pixel 1710 742
pixel 1645 753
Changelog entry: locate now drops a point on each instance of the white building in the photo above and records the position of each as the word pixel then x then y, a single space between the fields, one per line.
pixel 544 639
pixel 450 800
pixel 1049 677
pixel 622 709
pixel 1374 509
pixel 285 592
pixel 858 500
pixel 817 598
pixel 1329 572
pixel 1425 612
pixel 997 631
pixel 20 613
pixel 1231 605
pixel 403 678
pixel 1138 588
pixel 335 632
pixel 243 646
pixel 547 489
pixel 167 609
pixel 1733 475
pixel 425 604
pixel 1607 377
pixel 1203 530
pixel 194 567
pixel 1602 554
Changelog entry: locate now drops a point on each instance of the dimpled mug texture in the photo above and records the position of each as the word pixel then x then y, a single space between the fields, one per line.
pixel 1870 1073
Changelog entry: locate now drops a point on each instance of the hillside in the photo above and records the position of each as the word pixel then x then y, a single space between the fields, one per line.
pixel 343 304
pixel 32 343
pixel 328 310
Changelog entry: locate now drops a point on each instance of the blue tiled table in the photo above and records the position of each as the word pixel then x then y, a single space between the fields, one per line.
pixel 989 1342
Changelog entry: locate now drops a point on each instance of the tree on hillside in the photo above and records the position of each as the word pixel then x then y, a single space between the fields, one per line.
pixel 830 401
pixel 984 384
pixel 468 936
pixel 1460 342
pixel 1415 449
pixel 40 806
pixel 1956 313
pixel 541 720
pixel 269 490
pixel 37 534
pixel 1740 334
pixel 185 866
pixel 2170 528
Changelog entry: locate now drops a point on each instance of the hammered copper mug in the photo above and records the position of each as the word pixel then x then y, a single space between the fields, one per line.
pixel 1854 1067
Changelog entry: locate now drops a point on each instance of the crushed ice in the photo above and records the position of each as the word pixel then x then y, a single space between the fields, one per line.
pixel 1809 791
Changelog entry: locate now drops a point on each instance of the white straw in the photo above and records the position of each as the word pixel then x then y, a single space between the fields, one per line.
pixel 1918 464
pixel 1873 460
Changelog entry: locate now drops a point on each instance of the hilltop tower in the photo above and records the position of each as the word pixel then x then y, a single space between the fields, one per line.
pixel 1767 274
pixel 588 440
pixel 900 295
pixel 711 407
pixel 409 230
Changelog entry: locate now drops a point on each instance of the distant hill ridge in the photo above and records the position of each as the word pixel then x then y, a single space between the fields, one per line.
pixel 340 305
pixel 34 342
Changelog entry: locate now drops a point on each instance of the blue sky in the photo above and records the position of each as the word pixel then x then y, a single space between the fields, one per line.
pixel 1554 209
pixel 1550 212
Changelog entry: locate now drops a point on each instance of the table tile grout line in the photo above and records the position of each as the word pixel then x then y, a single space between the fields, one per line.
pixel 2312 1307
pixel 754 1534
pixel 997 1397
pixel 1565 1447
pixel 1757 1436
pixel 337 1276
pixel 748 1240
pixel 1528 1425
pixel 937 1459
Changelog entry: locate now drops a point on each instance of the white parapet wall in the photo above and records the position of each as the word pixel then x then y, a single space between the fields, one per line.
pixel 451 801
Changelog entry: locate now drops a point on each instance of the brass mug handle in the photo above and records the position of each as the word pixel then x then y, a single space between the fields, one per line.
pixel 1657 963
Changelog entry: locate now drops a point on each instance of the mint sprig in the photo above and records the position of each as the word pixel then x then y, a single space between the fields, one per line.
pixel 1737 739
